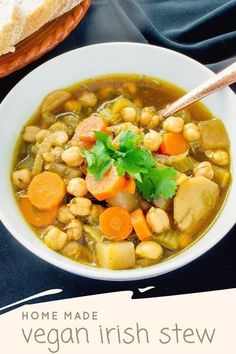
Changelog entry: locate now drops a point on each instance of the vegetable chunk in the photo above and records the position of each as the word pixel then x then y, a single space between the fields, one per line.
pixel 130 185
pixel 46 190
pixel 140 225
pixel 54 100
pixel 36 217
pixel 213 134
pixel 115 255
pixel 107 187
pixel 173 144
pixel 85 130
pixel 221 176
pixel 115 223
pixel 195 198
pixel 104 181
pixel 125 200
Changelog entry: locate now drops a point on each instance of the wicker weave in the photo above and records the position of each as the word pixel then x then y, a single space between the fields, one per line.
pixel 42 41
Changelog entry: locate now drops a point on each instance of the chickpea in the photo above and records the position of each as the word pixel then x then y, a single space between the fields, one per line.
pixel 152 140
pixel 129 126
pixel 129 114
pixel 158 220
pixel 191 132
pixel 60 138
pixel 155 121
pixel 21 178
pixel 75 229
pixel 80 206
pixel 146 116
pixel 204 169
pixel 72 250
pixel 64 214
pixel 219 157
pixel 72 156
pixel 77 187
pixel 57 153
pixel 41 134
pixel 89 99
pixel 150 250
pixel 173 124
pixel 30 133
pixel 95 211
pixel 59 126
pixel 72 106
pixel 55 238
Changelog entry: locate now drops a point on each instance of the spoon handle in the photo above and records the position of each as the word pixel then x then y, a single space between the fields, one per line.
pixel 222 79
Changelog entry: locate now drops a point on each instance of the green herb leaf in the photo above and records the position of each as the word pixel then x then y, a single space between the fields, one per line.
pixel 98 160
pixel 137 161
pixel 129 140
pixel 105 139
pixel 158 182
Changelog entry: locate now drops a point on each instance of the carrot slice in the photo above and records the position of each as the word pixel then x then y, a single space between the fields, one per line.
pixel 140 225
pixel 173 144
pixel 82 144
pixel 115 223
pixel 37 217
pixel 107 187
pixel 46 190
pixel 85 130
pixel 130 185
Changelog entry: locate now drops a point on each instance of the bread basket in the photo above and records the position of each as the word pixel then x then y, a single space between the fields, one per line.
pixel 42 41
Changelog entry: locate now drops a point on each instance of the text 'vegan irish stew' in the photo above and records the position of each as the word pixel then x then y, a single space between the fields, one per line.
pixel 103 181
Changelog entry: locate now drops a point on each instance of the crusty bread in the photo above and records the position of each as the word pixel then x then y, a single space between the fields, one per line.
pixel 11 25
pixel 66 6
pixel 37 13
pixel 20 18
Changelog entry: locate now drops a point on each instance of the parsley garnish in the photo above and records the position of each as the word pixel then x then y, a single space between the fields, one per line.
pixel 131 158
pixel 158 182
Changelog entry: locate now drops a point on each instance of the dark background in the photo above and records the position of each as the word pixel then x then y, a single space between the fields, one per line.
pixel 204 30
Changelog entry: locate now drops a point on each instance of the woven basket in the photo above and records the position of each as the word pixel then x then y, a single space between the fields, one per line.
pixel 42 41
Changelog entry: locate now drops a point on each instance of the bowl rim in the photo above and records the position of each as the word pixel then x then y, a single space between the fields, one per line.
pixel 117 275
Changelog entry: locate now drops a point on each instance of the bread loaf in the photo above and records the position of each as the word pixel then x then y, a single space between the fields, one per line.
pixel 20 18
pixel 37 13
pixel 11 25
pixel 66 6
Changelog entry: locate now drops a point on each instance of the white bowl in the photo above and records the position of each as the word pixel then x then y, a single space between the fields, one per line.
pixel 93 61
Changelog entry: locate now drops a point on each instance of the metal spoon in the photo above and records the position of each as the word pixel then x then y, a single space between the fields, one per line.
pixel 224 78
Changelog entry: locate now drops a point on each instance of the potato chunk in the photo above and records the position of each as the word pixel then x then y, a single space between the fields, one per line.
pixel 213 134
pixel 115 255
pixel 195 198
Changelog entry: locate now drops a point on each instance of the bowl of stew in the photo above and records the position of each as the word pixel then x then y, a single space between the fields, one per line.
pixel 94 182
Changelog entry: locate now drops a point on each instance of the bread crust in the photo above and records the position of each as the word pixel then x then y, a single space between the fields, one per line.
pixel 22 24
pixel 41 15
pixel 11 31
pixel 67 6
